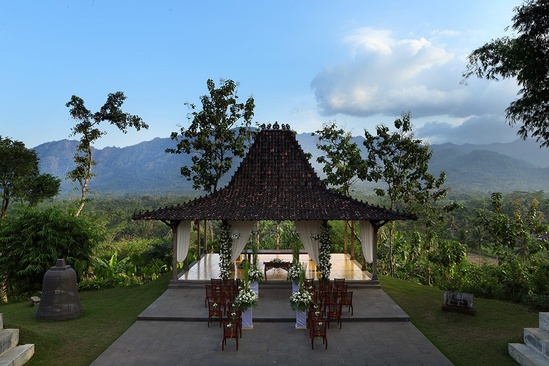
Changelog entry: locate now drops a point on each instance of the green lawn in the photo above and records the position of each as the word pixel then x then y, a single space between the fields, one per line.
pixel 466 340
pixel 479 339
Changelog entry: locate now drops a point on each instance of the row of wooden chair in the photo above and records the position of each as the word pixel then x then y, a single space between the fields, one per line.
pixel 232 324
pixel 328 299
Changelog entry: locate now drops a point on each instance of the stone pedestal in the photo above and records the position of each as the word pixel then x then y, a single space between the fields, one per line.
pixel 254 286
pixel 300 319
pixel 247 319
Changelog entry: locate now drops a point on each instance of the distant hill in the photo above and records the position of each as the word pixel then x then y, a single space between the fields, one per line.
pixel 146 168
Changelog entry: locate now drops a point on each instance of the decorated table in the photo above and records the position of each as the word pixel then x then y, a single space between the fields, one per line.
pixel 277 264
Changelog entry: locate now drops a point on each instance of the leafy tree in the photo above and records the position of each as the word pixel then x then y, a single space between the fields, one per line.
pixel 20 177
pixel 401 162
pixel 526 58
pixel 32 242
pixel 88 128
pixel 514 234
pixel 343 163
pixel 213 137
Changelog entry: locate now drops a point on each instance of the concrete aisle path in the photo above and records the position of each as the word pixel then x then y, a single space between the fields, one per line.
pixel 174 331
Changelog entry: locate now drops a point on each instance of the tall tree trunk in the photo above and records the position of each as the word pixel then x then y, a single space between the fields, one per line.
pixel 84 182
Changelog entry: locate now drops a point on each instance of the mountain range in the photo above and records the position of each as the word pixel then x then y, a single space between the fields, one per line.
pixel 146 168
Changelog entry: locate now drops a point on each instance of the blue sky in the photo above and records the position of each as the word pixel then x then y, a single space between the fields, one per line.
pixel 358 63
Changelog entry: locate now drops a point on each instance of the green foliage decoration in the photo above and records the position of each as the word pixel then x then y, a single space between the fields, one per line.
pixel 225 251
pixel 324 253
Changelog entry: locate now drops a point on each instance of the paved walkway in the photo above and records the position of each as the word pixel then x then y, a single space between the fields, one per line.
pixel 173 331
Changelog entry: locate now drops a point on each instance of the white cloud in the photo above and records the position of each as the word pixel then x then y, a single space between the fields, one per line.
pixel 386 76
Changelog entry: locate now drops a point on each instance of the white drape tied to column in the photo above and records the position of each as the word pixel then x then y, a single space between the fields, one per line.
pixel 242 231
pixel 307 229
pixel 367 240
pixel 183 240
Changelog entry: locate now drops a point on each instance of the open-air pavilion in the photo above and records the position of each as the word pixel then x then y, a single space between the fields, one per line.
pixel 275 181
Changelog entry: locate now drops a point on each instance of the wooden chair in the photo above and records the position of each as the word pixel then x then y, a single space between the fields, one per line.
pixel 338 282
pixel 234 314
pixel 346 299
pixel 309 286
pixel 333 312
pixel 230 330
pixel 216 283
pixel 218 297
pixel 329 298
pixel 215 310
pixel 318 330
pixel 209 294
pixel 314 315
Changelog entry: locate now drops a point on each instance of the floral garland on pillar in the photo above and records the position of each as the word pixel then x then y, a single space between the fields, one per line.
pixel 324 254
pixel 225 250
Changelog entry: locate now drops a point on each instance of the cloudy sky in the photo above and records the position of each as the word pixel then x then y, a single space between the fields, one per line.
pixel 356 62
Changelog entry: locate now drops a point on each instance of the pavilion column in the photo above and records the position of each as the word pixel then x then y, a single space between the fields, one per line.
pixel 174 225
pixel 374 261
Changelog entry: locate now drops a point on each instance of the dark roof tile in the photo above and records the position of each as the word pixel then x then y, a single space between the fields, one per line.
pixel 275 181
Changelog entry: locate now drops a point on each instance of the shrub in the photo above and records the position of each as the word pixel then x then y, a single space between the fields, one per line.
pixel 31 243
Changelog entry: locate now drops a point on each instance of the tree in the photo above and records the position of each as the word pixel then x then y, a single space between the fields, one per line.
pixel 20 177
pixel 213 138
pixel 31 243
pixel 88 128
pixel 401 162
pixel 525 58
pixel 343 164
pixel 516 233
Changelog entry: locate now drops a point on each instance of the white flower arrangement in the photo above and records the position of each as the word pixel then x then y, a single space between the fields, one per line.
pixel 246 299
pixel 301 300
pixel 294 272
pixel 255 275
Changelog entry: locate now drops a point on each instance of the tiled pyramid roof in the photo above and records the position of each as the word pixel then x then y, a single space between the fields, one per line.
pixel 275 181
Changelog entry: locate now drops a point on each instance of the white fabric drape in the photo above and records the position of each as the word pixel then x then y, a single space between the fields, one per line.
pixel 367 240
pixel 183 240
pixel 243 230
pixel 306 229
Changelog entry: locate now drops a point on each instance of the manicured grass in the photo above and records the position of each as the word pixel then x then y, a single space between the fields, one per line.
pixel 479 339
pixel 107 314
pixel 466 340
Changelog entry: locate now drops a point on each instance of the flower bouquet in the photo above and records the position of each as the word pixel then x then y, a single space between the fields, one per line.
pixel 302 299
pixel 294 272
pixel 246 299
pixel 255 275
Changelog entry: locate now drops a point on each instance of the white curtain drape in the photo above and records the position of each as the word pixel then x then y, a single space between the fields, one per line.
pixel 306 229
pixel 367 240
pixel 243 230
pixel 183 239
